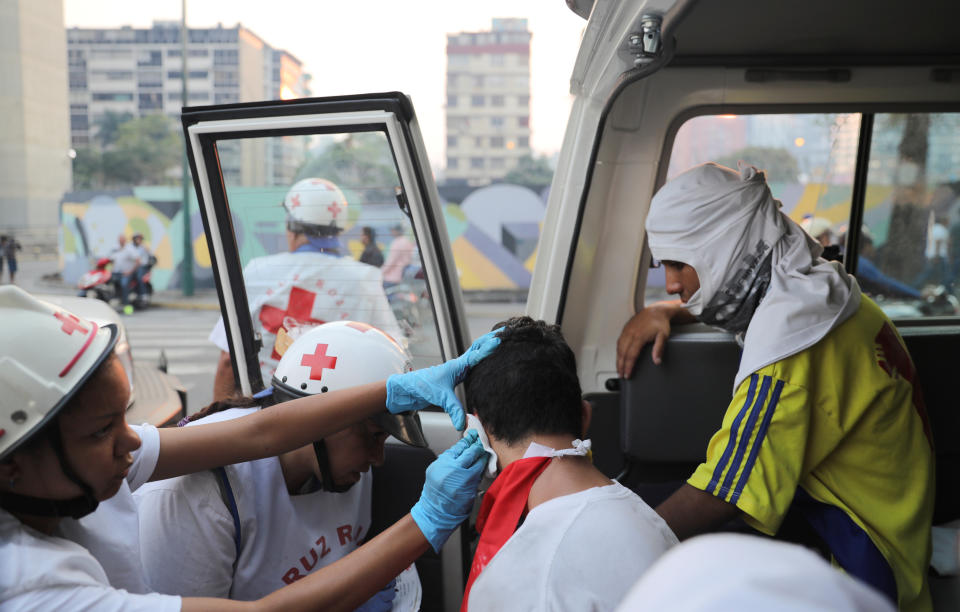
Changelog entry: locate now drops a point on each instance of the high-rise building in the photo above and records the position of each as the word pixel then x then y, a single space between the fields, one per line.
pixel 488 101
pixel 139 71
pixel 34 133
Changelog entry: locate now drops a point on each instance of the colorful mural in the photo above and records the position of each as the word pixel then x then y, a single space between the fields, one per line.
pixel 494 233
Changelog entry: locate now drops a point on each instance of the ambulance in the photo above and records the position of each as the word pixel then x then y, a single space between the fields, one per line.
pixel 852 107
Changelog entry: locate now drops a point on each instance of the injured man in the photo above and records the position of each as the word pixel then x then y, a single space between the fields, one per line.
pixel 555 533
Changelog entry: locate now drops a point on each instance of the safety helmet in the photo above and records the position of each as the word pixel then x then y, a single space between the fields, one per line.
pixel 344 354
pixel 46 354
pixel 315 203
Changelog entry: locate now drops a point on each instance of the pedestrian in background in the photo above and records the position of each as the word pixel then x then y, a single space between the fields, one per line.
pixel 8 250
pixel 372 255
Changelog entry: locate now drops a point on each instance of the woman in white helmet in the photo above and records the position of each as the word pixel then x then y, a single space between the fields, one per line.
pixel 310 283
pixel 68 460
pixel 272 521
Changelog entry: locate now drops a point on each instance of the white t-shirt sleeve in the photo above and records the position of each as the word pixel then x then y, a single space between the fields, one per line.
pixel 96 597
pixel 218 335
pixel 144 458
pixel 186 536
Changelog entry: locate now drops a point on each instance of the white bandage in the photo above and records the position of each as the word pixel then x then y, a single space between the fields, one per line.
pixel 580 449
pixel 474 423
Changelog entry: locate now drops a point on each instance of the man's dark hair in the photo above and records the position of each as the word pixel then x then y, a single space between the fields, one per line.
pixel 528 385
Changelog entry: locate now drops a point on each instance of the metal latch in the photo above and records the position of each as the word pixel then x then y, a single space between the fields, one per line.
pixel 646 44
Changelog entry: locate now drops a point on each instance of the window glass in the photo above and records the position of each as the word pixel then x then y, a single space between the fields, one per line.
pixel 284 194
pixel 910 244
pixel 809 160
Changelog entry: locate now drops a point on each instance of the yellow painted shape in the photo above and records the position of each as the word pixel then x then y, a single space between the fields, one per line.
pixel 201 254
pixel 355 247
pixel 475 270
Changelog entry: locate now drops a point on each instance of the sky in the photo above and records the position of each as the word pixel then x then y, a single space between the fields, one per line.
pixel 358 46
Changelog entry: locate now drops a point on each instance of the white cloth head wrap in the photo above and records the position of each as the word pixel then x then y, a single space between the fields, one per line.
pixel 727 226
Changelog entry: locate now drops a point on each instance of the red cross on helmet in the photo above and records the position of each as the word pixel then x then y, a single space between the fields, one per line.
pixel 316 202
pixel 46 354
pixel 344 354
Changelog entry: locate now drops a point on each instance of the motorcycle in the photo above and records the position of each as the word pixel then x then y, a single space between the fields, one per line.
pixel 409 300
pixel 102 284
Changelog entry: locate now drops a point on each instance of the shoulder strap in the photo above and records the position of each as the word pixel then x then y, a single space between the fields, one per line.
pixel 226 492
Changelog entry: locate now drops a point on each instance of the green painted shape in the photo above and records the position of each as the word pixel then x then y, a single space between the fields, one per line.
pixel 457 222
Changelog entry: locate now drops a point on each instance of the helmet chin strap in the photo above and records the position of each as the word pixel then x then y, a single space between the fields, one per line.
pixel 326 476
pixel 76 507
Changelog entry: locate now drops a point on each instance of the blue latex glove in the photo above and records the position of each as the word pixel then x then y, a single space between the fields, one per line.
pixel 382 601
pixel 449 489
pixel 434 386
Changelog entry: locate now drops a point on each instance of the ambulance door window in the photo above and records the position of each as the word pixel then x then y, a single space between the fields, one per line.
pixel 909 252
pixel 321 237
pixel 809 160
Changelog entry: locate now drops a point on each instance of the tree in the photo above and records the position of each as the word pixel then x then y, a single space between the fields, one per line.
pixel 361 163
pixel 778 164
pixel 533 173
pixel 140 151
pixel 108 126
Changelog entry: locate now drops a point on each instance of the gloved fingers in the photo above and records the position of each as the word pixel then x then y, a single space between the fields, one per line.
pixel 462 444
pixel 471 455
pixel 451 405
pixel 482 347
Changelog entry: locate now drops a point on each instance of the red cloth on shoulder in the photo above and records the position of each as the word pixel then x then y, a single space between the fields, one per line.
pixel 503 505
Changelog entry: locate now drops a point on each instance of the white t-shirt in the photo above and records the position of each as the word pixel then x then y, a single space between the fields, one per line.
pixel 187 533
pixel 41 572
pixel 577 552
pixel 327 288
pixel 126 259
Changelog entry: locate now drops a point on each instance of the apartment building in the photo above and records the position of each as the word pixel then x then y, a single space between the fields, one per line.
pixel 488 101
pixel 139 71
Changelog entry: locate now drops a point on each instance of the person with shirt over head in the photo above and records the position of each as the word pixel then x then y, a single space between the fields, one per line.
pixel 308 285
pixel 399 256
pixel 69 534
pixel 582 540
pixel 250 528
pixel 827 420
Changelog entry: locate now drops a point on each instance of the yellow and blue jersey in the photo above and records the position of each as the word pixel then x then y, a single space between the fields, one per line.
pixel 838 433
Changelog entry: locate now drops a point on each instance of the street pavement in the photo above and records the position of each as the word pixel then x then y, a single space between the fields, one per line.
pixel 179 325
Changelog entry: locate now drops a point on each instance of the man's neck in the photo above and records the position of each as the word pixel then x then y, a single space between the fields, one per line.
pixel 565 475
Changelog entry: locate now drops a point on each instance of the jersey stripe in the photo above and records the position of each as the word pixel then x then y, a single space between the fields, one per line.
pixel 718 470
pixel 745 436
pixel 755 449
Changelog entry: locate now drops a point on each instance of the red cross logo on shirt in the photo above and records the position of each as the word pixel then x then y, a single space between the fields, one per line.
pixel 299 307
pixel 334 209
pixel 70 323
pixel 318 361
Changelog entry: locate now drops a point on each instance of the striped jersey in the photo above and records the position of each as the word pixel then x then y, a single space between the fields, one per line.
pixel 839 434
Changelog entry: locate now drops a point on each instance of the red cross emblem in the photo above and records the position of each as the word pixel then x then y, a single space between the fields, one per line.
pixel 299 307
pixel 70 323
pixel 334 209
pixel 295 198
pixel 318 361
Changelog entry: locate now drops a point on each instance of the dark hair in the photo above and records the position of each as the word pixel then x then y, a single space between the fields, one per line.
pixel 528 385
pixel 236 401
pixel 311 230
pixel 370 233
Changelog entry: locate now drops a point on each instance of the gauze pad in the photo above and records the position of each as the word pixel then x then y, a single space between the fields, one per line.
pixel 474 423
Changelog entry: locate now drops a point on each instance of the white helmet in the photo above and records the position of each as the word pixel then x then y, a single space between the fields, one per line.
pixel 46 354
pixel 316 202
pixel 343 354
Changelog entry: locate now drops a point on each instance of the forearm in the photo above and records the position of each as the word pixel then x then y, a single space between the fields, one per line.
pixel 354 579
pixel 265 433
pixel 690 511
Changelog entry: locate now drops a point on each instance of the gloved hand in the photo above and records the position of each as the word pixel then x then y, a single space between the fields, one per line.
pixel 433 386
pixel 449 489
pixel 382 601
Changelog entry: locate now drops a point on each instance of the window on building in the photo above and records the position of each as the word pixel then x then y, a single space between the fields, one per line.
pixel 150 79
pixel 477 101
pixel 497 59
pixel 225 97
pixel 496 122
pixel 523 142
pixel 478 80
pixel 496 80
pixel 496 100
pixel 458 123
pixel 497 163
pixel 225 57
pixel 523 121
pixel 149 58
pixel 79 122
pixel 451 141
pixel 523 59
pixel 225 78
pixel 451 101
pixel 150 102
pixel 458 59
pixel 112 97
pixel 476 163
pixel 198 52
pixel 453 163
pixel 478 141
pixel 522 81
pixel 496 142
pixel 78 80
pixel 523 100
